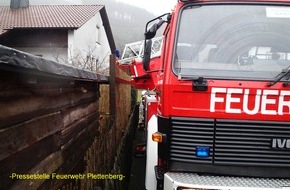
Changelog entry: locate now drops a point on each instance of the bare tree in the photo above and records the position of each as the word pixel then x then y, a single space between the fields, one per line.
pixel 88 59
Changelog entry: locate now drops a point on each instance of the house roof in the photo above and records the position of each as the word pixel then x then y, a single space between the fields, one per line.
pixel 46 16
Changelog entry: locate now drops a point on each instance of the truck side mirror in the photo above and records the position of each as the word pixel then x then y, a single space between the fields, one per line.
pixel 153 29
pixel 147 54
pixel 149 34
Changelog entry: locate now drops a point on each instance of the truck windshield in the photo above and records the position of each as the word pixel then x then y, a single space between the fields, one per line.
pixel 233 41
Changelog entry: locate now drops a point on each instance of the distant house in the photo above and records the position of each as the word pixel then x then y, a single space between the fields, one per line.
pixel 71 34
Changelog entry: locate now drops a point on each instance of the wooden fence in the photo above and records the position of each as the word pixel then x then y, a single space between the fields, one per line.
pixel 54 122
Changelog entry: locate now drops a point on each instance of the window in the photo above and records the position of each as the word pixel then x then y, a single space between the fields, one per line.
pixel 233 41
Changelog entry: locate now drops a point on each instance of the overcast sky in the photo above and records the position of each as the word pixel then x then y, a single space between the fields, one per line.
pixel 157 7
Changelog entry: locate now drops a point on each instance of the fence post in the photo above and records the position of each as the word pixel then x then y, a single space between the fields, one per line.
pixel 113 100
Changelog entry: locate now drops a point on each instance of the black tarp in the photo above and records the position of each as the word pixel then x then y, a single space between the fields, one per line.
pixel 18 61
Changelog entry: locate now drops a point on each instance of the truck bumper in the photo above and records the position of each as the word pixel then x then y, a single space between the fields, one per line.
pixel 192 181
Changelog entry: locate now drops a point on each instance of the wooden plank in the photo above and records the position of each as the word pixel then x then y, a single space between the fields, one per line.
pixel 46 166
pixel 73 155
pixel 18 137
pixel 19 110
pixel 14 86
pixel 69 133
pixel 73 114
pixel 23 161
pixel 77 136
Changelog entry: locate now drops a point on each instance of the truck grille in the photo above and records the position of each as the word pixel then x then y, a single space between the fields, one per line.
pixel 231 142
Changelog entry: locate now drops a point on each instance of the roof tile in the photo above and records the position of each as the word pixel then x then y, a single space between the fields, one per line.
pixel 46 16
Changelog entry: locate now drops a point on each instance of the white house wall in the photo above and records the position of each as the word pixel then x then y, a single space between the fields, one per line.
pixel 88 42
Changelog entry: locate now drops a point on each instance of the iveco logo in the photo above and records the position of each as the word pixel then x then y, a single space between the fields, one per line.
pixel 281 143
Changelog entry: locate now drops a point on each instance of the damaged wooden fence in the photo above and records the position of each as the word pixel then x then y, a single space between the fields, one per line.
pixel 51 125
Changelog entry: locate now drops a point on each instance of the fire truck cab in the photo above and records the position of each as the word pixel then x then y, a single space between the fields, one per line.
pixel 222 119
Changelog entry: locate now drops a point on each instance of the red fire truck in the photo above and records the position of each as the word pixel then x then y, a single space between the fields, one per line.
pixel 221 108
